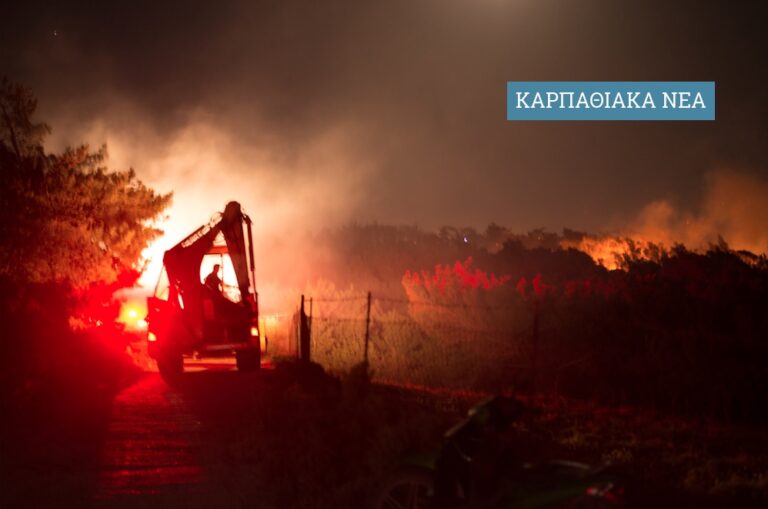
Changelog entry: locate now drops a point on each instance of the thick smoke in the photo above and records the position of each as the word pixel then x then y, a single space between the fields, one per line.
pixel 287 193
pixel 734 207
pixel 316 114
pixel 410 91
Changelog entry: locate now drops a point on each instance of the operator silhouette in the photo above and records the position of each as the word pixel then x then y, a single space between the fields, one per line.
pixel 212 281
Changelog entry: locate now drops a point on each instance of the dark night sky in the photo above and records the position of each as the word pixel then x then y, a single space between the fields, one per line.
pixel 394 110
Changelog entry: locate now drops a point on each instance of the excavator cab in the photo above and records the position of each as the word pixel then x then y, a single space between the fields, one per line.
pixel 187 317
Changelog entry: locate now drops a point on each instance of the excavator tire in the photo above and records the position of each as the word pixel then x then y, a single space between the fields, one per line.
pixel 248 360
pixel 171 366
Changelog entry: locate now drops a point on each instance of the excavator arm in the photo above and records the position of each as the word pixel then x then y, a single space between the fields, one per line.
pixel 186 319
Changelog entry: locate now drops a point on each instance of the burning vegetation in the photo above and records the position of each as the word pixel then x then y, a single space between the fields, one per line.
pixel 535 316
pixel 630 319
pixel 78 230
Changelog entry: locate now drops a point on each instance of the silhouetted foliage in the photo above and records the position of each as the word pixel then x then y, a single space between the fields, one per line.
pixel 674 329
pixel 66 217
pixel 71 234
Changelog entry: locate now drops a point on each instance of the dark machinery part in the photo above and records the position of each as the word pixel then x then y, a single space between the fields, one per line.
pixel 190 317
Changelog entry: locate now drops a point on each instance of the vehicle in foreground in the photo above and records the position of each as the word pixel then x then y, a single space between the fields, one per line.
pixel 191 314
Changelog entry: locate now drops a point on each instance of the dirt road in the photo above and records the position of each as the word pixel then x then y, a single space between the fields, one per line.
pixel 152 446
pixel 274 438
pixel 152 453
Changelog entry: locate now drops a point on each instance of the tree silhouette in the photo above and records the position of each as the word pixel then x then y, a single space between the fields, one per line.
pixel 65 217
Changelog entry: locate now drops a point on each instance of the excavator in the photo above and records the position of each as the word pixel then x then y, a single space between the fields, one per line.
pixel 187 317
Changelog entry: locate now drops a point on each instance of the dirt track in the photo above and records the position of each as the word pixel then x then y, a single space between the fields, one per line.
pixel 152 454
pixel 201 443
pixel 152 447
pixel 144 448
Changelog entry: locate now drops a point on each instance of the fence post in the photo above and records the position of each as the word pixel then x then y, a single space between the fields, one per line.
pixel 309 319
pixel 304 339
pixel 367 328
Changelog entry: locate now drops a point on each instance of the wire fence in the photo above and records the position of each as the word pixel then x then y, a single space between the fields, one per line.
pixel 638 345
pixel 441 344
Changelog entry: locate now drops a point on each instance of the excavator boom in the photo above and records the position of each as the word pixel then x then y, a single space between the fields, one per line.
pixel 193 318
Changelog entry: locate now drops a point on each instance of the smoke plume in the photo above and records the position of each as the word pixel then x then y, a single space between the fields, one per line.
pixel 734 207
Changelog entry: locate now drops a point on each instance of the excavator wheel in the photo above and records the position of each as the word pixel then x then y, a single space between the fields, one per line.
pixel 170 365
pixel 248 360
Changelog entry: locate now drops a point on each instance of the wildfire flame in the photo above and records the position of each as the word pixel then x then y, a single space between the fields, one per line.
pixel 611 251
